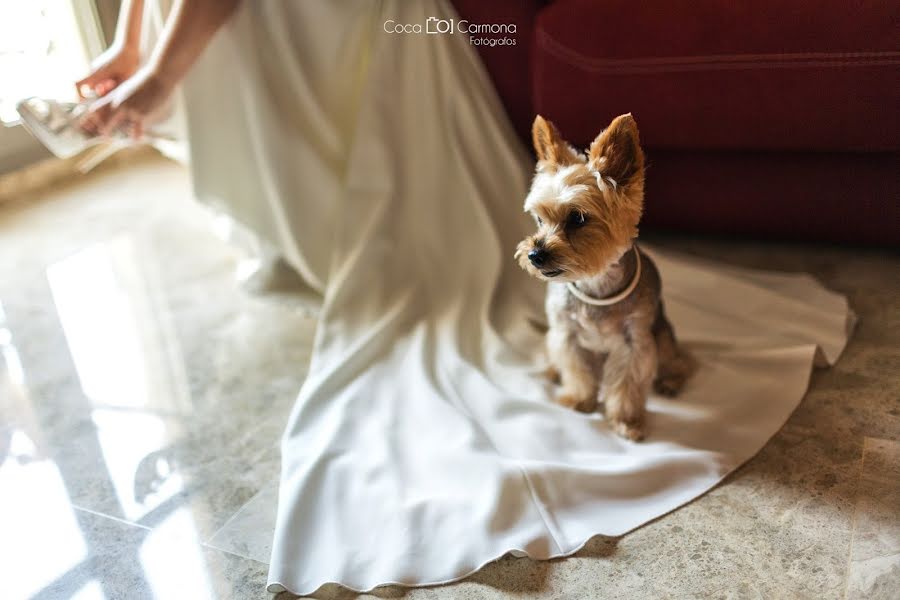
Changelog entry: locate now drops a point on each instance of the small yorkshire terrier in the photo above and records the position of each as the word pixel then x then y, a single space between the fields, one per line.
pixel 609 339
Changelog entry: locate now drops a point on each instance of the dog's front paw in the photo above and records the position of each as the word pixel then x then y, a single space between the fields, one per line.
pixel 580 404
pixel 552 373
pixel 630 431
pixel 624 410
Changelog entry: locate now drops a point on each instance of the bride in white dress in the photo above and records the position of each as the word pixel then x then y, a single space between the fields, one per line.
pixel 382 167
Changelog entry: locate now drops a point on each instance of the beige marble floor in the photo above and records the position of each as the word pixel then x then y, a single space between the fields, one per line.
pixel 142 393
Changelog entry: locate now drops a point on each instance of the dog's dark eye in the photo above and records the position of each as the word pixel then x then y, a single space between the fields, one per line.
pixel 576 219
pixel 540 221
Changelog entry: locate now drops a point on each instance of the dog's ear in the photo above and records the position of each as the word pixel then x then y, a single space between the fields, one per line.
pixel 549 144
pixel 616 153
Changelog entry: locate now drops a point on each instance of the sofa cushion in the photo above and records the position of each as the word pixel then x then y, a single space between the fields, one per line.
pixel 708 74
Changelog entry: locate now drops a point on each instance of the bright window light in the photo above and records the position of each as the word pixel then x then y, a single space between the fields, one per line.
pixel 44 49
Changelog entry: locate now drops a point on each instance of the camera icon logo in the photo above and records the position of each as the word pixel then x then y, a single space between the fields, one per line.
pixel 435 25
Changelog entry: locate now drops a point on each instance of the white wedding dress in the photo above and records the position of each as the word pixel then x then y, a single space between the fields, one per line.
pixel 424 442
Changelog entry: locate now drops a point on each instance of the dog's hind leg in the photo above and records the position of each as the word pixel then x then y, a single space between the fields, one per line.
pixel 675 365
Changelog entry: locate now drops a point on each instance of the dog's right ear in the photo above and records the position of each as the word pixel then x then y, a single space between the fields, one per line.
pixel 549 145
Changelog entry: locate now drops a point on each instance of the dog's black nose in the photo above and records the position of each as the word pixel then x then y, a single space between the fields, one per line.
pixel 538 256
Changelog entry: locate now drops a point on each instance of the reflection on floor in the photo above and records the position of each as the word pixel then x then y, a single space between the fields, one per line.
pixel 142 394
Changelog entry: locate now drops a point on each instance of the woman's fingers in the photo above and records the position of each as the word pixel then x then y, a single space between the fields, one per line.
pixel 119 117
pixel 90 123
pixel 97 117
pixel 123 119
pixel 106 86
pixel 96 88
pixel 100 83
pixel 137 130
pixel 127 108
pixel 108 71
pixel 85 86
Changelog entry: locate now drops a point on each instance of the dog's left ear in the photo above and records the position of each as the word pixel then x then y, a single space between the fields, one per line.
pixel 616 153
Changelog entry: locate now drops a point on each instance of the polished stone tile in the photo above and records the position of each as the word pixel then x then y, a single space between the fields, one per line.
pixel 141 391
pixel 250 531
pixel 106 558
pixel 875 552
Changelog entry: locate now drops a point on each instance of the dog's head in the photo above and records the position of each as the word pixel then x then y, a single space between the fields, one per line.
pixel 586 207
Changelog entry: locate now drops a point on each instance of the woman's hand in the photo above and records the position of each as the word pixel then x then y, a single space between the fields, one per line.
pixel 133 97
pixel 119 62
pixel 130 105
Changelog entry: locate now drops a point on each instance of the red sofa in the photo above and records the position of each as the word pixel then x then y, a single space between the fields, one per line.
pixel 770 118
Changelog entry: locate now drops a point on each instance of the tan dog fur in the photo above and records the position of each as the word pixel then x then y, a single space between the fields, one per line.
pixel 587 209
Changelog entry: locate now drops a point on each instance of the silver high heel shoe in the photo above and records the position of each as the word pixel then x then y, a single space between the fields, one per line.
pixel 56 125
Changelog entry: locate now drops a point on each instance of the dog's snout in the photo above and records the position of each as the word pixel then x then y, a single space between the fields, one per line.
pixel 538 256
